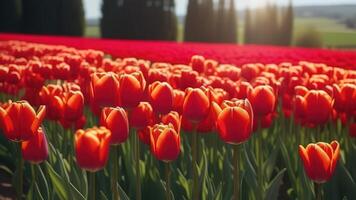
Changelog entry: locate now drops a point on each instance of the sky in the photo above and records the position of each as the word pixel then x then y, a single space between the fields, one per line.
pixel 92 7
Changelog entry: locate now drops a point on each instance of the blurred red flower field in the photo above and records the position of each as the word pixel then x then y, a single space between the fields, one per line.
pixel 180 53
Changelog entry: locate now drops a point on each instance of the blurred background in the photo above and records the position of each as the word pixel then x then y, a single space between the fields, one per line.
pixel 307 23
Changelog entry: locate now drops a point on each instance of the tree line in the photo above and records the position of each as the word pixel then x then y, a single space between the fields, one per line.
pixel 50 17
pixel 205 20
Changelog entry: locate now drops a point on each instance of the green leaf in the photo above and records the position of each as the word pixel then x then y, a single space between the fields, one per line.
pixel 251 176
pixel 122 194
pixel 63 188
pixel 58 182
pixel 273 187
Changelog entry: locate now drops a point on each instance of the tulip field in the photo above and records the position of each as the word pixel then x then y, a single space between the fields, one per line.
pixel 91 120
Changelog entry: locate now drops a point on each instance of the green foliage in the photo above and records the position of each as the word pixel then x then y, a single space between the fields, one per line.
pixel 206 23
pixel 271 25
pixel 310 38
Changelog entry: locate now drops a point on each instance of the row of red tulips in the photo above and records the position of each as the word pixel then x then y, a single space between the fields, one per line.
pixel 159 99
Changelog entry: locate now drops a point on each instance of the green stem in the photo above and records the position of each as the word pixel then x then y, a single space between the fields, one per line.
pixel 194 163
pixel 91 185
pixel 137 165
pixel 20 173
pixel 259 159
pixel 236 172
pixel 115 173
pixel 33 173
pixel 168 180
pixel 318 189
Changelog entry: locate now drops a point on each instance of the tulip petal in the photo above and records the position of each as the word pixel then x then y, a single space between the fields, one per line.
pixel 319 163
pixel 39 118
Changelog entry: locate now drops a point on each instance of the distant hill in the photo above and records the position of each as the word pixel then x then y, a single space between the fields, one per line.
pixel 339 12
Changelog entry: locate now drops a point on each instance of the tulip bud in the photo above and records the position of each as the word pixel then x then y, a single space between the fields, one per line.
pixel 132 87
pixel 161 97
pixel 115 119
pixel 320 160
pixel 196 105
pixel 172 118
pixel 262 99
pixel 73 105
pixel 92 148
pixel 235 121
pixel 100 84
pixel 141 116
pixel 35 150
pixel 164 142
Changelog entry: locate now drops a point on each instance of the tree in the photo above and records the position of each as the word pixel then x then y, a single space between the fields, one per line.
pixel 191 21
pixel 230 35
pixel 220 22
pixel 56 17
pixel 109 10
pixel 71 18
pixel 287 26
pixel 10 15
pixel 248 32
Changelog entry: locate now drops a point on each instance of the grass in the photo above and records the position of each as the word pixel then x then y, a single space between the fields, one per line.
pixel 334 34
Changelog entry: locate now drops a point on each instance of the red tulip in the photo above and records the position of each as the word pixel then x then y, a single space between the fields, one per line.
pixel 164 142
pixel 172 118
pixel 47 96
pixel 19 120
pixel 72 104
pixel 132 87
pixel 345 98
pixel 161 97
pixel 141 116
pixel 320 160
pixel 104 91
pixel 314 108
pixel 92 148
pixel 35 150
pixel 235 122
pixel 115 119
pixel 196 105
pixel 178 100
pixel 262 99
pixel 197 63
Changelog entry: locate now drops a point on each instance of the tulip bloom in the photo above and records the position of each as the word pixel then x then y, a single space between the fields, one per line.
pixel 19 120
pixel 72 104
pixel 196 105
pixel 35 150
pixel 263 100
pixel 235 121
pixel 172 118
pixel 161 97
pixel 115 119
pixel 165 142
pixel 104 91
pixel 92 148
pixel 314 108
pixel 141 116
pixel 132 87
pixel 320 160
pixel 345 98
